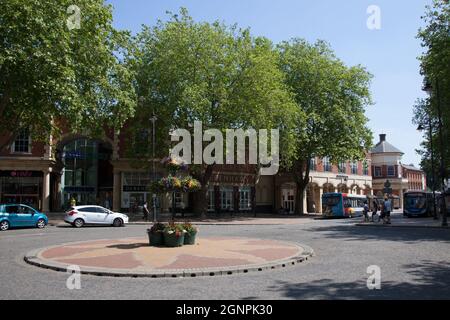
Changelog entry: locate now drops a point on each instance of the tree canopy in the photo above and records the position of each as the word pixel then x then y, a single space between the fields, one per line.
pixel 209 72
pixel 49 71
pixel 333 98
pixel 435 62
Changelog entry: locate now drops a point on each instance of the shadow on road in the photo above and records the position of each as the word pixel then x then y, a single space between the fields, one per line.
pixel 407 235
pixel 431 281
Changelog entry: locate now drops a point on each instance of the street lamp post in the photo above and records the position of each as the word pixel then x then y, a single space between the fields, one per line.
pixel 153 120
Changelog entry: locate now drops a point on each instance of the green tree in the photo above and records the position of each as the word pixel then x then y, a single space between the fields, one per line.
pixel 209 72
pixel 50 72
pixel 333 98
pixel 435 62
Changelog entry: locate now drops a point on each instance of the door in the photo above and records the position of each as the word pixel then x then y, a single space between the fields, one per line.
pixel 13 215
pixel 288 200
pixel 103 216
pixel 89 214
pixel 26 216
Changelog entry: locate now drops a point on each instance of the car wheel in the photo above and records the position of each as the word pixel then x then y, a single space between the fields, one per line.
pixel 117 222
pixel 40 224
pixel 4 225
pixel 78 223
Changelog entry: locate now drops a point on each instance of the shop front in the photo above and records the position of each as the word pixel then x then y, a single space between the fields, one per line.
pixel 231 193
pixel 21 186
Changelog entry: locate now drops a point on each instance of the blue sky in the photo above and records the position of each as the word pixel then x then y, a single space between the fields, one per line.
pixel 390 53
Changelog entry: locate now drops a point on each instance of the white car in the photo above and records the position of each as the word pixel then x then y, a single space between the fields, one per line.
pixel 80 215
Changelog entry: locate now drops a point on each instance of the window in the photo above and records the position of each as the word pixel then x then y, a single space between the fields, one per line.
pixel 342 166
pixel 22 143
pixel 354 167
pixel 244 199
pixel 226 199
pixel 12 209
pixel 391 171
pixel 312 164
pixel 365 168
pixel 377 171
pixel 89 209
pixel 179 200
pixel 326 164
pixel 211 200
pixel 26 210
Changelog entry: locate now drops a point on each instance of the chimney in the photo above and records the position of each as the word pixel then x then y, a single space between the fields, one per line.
pixel 382 137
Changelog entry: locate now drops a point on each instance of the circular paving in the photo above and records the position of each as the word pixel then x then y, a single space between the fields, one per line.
pixel 133 257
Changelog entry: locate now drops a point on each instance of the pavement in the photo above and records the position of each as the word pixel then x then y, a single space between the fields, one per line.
pixel 133 257
pixel 414 264
pixel 57 219
pixel 400 221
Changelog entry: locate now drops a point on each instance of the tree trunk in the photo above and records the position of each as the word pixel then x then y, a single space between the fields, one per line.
pixel 301 177
pixel 200 197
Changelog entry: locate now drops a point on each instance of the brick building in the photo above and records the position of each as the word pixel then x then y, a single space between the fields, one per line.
pixel 47 176
pixel 387 165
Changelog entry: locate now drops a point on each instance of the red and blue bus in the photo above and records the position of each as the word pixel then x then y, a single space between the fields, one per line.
pixel 335 204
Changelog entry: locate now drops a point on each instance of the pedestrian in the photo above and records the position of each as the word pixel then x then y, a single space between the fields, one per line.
pixel 107 204
pixel 375 210
pixel 366 212
pixel 387 206
pixel 145 211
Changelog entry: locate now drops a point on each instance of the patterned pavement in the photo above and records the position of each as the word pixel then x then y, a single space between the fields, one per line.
pixel 135 255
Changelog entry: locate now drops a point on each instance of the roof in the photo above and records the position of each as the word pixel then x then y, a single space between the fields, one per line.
pixel 411 167
pixel 385 147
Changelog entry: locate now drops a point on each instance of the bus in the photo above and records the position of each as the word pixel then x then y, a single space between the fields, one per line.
pixel 419 203
pixel 342 204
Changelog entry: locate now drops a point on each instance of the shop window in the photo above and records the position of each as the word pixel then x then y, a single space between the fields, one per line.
pixel 244 199
pixel 226 199
pixel 22 143
pixel 211 204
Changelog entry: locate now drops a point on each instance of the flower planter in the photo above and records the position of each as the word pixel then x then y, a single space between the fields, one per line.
pixel 155 239
pixel 189 238
pixel 173 240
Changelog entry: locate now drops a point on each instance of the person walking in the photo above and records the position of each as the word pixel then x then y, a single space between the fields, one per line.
pixel 387 207
pixel 366 212
pixel 145 211
pixel 375 210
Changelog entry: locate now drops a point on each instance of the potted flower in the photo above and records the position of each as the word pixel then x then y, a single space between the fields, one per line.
pixel 191 233
pixel 155 234
pixel 174 235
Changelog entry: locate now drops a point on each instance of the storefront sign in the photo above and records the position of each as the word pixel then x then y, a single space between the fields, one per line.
pixel 234 179
pixel 21 174
pixel 135 189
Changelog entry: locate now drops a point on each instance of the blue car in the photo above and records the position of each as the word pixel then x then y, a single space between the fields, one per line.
pixel 20 215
